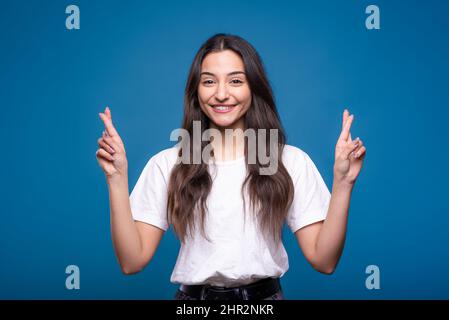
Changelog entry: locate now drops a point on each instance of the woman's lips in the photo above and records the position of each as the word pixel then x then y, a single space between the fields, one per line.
pixel 223 108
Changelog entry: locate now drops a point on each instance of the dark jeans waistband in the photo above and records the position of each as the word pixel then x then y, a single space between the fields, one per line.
pixel 258 290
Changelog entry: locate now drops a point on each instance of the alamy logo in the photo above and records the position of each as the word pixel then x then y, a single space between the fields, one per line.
pixel 72 282
pixel 373 20
pixel 373 280
pixel 256 151
pixel 73 20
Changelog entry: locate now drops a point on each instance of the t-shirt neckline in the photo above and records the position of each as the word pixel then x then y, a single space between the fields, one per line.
pixel 227 162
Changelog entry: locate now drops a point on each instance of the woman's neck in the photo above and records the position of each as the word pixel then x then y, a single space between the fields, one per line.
pixel 231 147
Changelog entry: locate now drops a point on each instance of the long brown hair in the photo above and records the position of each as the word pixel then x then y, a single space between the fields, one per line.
pixel 190 184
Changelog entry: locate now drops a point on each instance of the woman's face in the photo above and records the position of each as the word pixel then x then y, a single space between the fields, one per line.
pixel 223 91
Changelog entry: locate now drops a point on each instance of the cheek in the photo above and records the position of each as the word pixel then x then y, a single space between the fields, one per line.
pixel 244 96
pixel 205 94
pixel 201 94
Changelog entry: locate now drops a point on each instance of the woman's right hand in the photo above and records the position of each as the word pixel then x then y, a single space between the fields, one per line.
pixel 111 154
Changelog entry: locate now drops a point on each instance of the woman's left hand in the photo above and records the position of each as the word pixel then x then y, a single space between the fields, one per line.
pixel 349 154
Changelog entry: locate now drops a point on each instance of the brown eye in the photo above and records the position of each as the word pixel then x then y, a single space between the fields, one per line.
pixel 236 81
pixel 208 82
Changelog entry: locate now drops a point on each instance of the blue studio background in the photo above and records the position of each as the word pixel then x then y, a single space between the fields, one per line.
pixel 134 56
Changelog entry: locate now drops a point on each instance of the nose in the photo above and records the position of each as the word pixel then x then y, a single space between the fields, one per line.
pixel 222 92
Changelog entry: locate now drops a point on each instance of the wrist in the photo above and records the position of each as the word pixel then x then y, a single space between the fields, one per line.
pixel 342 184
pixel 117 179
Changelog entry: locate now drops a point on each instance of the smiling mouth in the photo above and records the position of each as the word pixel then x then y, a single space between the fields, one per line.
pixel 223 108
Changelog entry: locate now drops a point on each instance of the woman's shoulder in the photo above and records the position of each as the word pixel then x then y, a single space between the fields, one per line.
pixel 166 156
pixel 294 158
pixel 293 153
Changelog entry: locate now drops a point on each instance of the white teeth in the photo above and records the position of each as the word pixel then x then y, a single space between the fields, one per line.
pixel 222 107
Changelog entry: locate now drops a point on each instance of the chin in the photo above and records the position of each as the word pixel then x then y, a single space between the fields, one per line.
pixel 223 123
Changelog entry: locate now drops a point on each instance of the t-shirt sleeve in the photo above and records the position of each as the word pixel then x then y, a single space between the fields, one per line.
pixel 148 198
pixel 311 196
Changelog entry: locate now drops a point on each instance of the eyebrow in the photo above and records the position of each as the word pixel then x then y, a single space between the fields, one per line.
pixel 229 74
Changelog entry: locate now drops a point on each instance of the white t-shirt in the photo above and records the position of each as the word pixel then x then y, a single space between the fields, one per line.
pixel 238 254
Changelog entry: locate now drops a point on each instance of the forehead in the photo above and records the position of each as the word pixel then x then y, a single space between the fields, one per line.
pixel 222 62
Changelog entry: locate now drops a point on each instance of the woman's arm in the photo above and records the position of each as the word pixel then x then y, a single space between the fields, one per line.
pixel 322 243
pixel 134 242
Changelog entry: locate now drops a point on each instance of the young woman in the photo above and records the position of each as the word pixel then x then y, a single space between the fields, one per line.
pixel 227 214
